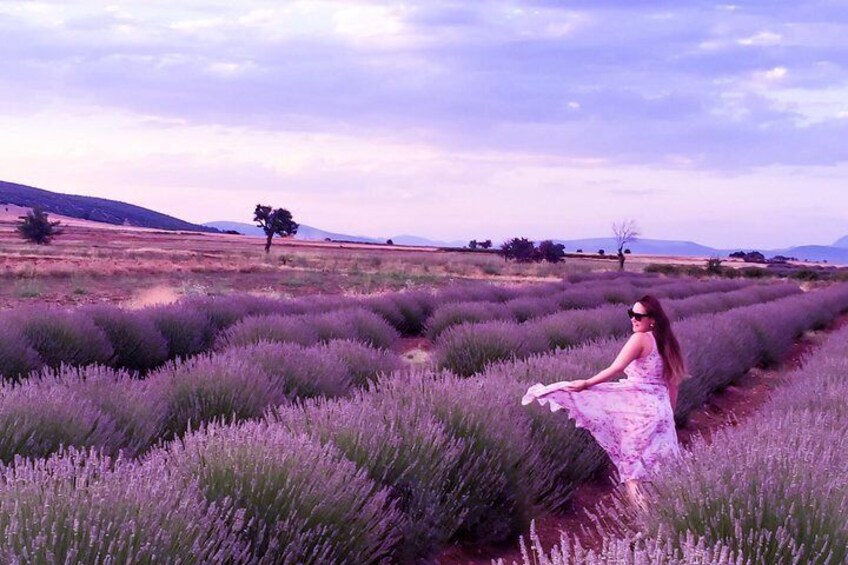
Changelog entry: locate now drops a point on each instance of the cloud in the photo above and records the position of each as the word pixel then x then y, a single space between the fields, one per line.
pixel 435 72
pixel 378 97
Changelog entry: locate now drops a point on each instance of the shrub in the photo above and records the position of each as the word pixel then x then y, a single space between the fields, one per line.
pixel 753 272
pixel 363 364
pixel 35 227
pixel 805 275
pixel 63 338
pixel 456 313
pixel 85 508
pixel 526 308
pixel 299 372
pixel 17 358
pixel 714 266
pixel 303 503
pixel 497 452
pixel 273 328
pixel 415 307
pixel 37 417
pixel 551 252
pixel 570 328
pixel 469 349
pixel 519 249
pixel 632 549
pixel 789 509
pixel 187 330
pixel 137 343
pixel 202 389
pixel 386 307
pixel 224 311
pixel 356 324
pixel 121 398
pixel 410 453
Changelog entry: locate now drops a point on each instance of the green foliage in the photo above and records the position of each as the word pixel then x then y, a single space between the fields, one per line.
pixel 519 249
pixel 274 222
pixel 36 228
pixel 551 252
pixel 714 266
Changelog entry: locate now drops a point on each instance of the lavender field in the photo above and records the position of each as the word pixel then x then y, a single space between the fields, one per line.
pixel 251 430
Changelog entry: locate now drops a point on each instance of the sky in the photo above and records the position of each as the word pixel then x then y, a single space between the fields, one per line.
pixel 724 124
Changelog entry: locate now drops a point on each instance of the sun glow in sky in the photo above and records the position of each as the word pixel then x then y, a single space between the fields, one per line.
pixel 718 123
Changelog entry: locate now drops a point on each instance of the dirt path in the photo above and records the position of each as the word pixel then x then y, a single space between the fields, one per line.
pixel 728 407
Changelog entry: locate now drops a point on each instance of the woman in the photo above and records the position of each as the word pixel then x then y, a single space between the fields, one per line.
pixel 631 419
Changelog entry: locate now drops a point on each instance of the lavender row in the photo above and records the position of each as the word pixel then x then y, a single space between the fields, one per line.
pixel 768 491
pixel 112 411
pixel 387 475
pixel 41 338
pixel 527 308
pixel 470 348
pixel 37 337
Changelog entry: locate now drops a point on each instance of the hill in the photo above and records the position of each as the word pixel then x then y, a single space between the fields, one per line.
pixel 645 246
pixel 843 242
pixel 93 209
pixel 306 232
pixel 829 253
pixel 303 232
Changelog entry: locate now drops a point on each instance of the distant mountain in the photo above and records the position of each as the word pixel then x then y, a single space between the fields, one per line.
pixel 93 209
pixel 843 242
pixel 424 242
pixel 646 246
pixel 827 253
pixel 303 232
pixel 832 254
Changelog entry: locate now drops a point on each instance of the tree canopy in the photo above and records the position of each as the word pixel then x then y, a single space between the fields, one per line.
pixel 274 222
pixel 37 228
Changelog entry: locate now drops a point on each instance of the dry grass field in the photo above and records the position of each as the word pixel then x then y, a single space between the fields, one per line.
pixel 96 262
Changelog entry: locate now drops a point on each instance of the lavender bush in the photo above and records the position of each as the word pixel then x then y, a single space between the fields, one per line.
pixel 454 314
pixel 299 372
pixel 37 418
pixel 634 549
pixel 271 328
pixel 354 324
pixel 61 337
pixel 425 469
pixel 302 502
pixel 187 330
pixel 206 388
pixel 364 365
pixel 137 344
pixel 83 508
pixel 497 451
pixel 470 348
pixel 17 357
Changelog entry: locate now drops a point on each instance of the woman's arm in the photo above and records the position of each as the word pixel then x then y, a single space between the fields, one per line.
pixel 631 350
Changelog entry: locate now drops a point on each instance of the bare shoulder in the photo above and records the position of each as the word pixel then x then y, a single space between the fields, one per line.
pixel 643 340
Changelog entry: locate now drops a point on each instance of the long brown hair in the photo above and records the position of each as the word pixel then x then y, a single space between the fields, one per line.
pixel 674 367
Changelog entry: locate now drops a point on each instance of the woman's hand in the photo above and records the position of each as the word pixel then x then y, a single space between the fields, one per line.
pixel 576 386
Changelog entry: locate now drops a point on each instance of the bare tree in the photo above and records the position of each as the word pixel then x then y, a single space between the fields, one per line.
pixel 624 232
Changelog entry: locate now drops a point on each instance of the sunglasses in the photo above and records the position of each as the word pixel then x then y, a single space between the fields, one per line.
pixel 636 316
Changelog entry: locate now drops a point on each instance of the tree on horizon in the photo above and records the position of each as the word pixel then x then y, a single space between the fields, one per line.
pixel 624 232
pixel 274 222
